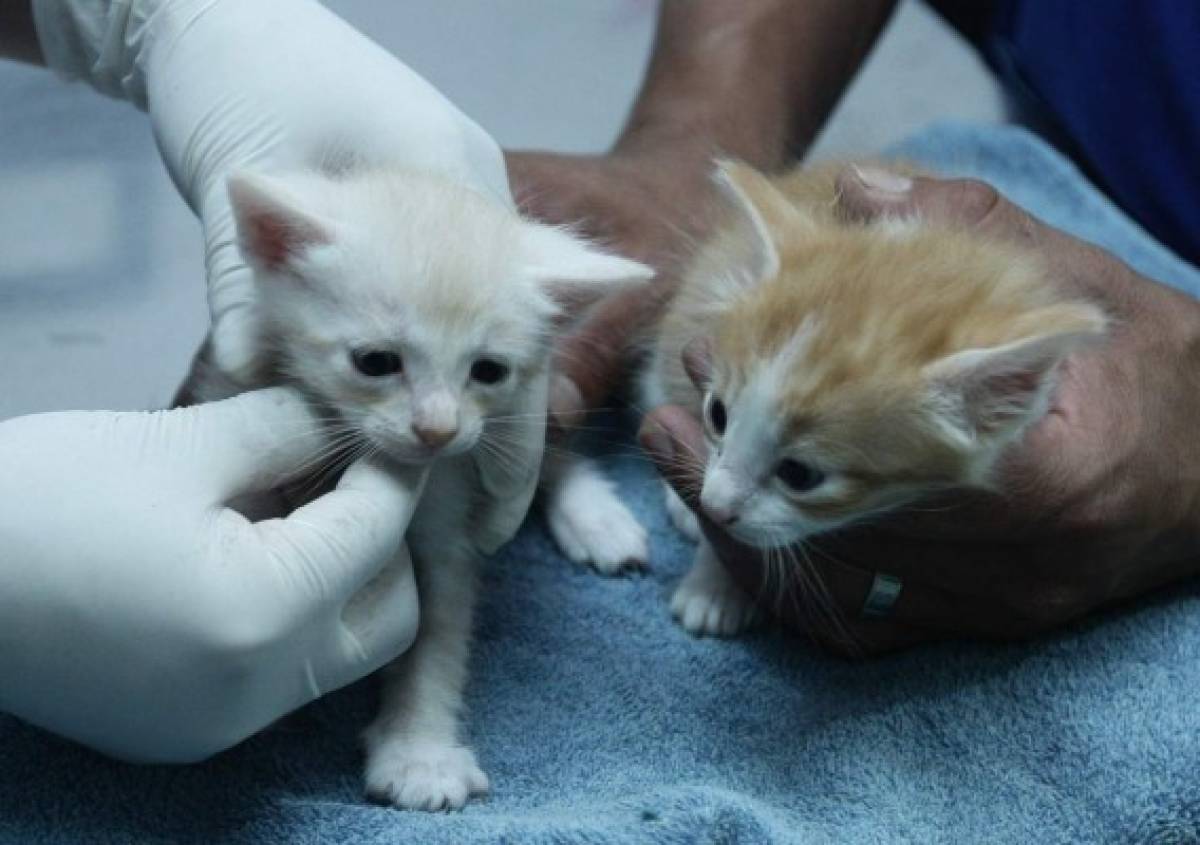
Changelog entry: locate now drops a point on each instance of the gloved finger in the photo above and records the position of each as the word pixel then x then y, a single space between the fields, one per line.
pixel 234 340
pixel 336 544
pixel 235 345
pixel 380 623
pixel 248 444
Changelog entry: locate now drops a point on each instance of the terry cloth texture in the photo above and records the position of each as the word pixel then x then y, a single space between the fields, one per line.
pixel 600 721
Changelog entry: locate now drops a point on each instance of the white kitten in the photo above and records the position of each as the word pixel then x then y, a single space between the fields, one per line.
pixel 419 313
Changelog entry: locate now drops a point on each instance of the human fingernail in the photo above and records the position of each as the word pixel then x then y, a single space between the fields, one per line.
pixel 566 403
pixel 883 181
pixel 656 441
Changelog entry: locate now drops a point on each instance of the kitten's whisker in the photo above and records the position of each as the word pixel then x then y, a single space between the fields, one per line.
pixel 517 441
pixel 342 463
pixel 509 462
pixel 327 450
pixel 839 627
pixel 827 605
pixel 333 461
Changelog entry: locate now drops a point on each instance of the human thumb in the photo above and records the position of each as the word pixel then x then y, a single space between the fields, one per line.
pixel 340 541
pixel 867 194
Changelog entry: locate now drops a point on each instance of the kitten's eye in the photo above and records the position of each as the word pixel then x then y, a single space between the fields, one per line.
pixel 717 416
pixel 799 476
pixel 487 371
pixel 376 363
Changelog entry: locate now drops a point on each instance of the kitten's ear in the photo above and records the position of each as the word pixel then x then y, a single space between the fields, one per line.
pixel 761 211
pixel 273 229
pixel 697 358
pixel 574 274
pixel 997 390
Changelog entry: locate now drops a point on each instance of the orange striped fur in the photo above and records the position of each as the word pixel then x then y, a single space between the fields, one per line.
pixel 895 357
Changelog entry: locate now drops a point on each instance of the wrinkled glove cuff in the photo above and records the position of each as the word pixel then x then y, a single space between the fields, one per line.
pixel 105 42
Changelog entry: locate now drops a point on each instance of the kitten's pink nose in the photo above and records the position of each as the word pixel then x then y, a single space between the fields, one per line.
pixel 434 436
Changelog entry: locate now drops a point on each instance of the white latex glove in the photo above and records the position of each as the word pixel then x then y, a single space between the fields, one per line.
pixel 278 85
pixel 268 84
pixel 140 616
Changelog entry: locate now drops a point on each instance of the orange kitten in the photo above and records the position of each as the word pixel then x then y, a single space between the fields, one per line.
pixel 854 367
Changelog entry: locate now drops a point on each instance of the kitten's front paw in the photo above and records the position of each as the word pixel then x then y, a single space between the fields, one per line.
pixel 421 776
pixel 593 526
pixel 712 607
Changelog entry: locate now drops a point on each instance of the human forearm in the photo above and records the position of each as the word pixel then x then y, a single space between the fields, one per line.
pixel 18 38
pixel 755 79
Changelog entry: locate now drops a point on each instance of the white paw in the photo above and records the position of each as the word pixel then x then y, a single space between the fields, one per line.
pixel 592 525
pixel 423 776
pixel 682 517
pixel 708 606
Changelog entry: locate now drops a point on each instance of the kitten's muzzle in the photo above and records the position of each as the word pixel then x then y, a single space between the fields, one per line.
pixel 722 498
pixel 721 514
pixel 434 436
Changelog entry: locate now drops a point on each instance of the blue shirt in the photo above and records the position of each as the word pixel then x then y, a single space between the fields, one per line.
pixel 1119 80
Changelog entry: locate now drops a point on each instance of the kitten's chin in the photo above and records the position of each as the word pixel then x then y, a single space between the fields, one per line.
pixel 412 460
pixel 419 455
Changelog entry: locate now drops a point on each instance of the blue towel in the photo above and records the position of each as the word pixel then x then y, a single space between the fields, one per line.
pixel 600 721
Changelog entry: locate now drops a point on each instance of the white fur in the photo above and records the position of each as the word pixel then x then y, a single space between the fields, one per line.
pixel 590 522
pixel 739 477
pixel 415 757
pixel 898 228
pixel 423 776
pixel 681 515
pixel 707 602
pixel 763 258
pixel 443 277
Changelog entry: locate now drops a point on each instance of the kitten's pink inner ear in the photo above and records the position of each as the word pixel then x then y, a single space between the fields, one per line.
pixel 763 214
pixel 276 241
pixel 697 361
pixel 574 274
pixel 272 229
pixel 1000 388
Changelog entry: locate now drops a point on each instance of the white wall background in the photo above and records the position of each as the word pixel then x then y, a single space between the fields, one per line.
pixel 101 287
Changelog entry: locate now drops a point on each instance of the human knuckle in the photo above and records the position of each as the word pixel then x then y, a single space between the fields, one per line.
pixel 1090 516
pixel 977 192
pixel 1052 604
pixel 846 645
pixel 976 200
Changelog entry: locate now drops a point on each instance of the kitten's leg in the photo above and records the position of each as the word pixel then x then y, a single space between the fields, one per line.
pixel 588 519
pixel 414 757
pixel 682 517
pixel 707 602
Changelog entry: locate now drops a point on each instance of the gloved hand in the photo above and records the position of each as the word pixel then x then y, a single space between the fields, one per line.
pixel 142 617
pixel 267 84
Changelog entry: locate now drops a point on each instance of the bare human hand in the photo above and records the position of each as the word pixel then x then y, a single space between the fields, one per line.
pixel 752 80
pixel 1100 502
pixel 646 203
